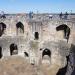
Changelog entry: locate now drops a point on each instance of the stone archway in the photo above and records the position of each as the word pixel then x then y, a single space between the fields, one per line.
pixel 2 28
pixel 20 28
pixel 13 49
pixel 46 56
pixel 65 29
pixel 46 52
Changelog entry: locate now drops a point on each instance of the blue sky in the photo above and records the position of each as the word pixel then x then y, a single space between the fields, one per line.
pixel 21 6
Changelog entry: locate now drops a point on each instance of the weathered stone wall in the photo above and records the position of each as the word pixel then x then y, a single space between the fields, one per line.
pixel 48 38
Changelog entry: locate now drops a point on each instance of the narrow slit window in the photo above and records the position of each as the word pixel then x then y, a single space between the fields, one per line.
pixel 1 52
pixel 26 54
pixel 36 35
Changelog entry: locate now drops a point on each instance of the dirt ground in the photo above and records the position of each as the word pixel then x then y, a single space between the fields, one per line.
pixel 17 65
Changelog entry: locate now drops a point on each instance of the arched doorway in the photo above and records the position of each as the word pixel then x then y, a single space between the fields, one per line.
pixel 13 49
pixel 36 35
pixel 1 52
pixel 65 29
pixel 46 52
pixel 2 28
pixel 20 28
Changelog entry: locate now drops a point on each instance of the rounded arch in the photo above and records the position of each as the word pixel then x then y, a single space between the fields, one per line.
pixel 13 49
pixel 46 52
pixel 66 30
pixel 2 28
pixel 20 27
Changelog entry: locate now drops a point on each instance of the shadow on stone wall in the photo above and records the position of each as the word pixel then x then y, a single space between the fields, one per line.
pixel 69 69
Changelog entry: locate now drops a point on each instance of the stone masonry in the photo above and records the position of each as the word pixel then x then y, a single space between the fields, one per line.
pixel 38 39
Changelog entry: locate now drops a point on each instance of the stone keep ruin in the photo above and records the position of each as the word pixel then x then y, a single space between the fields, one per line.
pixel 40 38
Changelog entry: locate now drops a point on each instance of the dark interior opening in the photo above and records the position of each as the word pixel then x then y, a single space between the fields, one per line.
pixel 26 54
pixel 13 49
pixel 40 49
pixel 46 52
pixel 2 28
pixel 36 35
pixel 0 52
pixel 66 30
pixel 20 26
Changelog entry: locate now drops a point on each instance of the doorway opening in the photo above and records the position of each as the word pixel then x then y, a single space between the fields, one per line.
pixel 20 28
pixel 13 49
pixel 46 52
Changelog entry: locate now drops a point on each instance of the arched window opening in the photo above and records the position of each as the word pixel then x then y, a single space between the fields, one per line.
pixel 2 28
pixel 36 35
pixel 1 52
pixel 26 54
pixel 66 30
pixel 46 52
pixel 20 27
pixel 13 49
